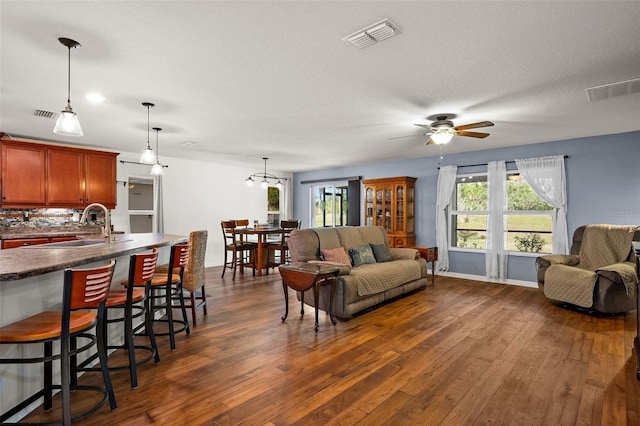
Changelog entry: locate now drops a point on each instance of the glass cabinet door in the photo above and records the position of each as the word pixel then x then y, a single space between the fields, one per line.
pixel 368 218
pixel 410 210
pixel 387 209
pixel 400 194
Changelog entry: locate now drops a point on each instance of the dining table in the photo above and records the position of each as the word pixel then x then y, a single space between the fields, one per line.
pixel 262 234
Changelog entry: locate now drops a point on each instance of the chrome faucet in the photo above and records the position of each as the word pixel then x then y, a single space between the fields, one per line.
pixel 107 220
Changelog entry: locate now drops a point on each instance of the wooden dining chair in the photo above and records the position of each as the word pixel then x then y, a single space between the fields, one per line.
pixel 282 245
pixel 235 244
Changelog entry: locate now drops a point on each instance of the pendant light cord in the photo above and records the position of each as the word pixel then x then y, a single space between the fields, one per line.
pixel 69 77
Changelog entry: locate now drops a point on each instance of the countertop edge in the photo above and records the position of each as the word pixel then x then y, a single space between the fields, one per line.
pixel 14 266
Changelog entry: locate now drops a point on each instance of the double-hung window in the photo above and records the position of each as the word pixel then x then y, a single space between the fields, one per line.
pixel 528 218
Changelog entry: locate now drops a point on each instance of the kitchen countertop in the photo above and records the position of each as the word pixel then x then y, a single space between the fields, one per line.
pixel 24 262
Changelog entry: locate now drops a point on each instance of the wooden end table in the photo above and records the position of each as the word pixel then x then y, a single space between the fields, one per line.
pixel 430 254
pixel 302 276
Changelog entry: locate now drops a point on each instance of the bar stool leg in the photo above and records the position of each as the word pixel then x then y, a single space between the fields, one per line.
pixel 102 355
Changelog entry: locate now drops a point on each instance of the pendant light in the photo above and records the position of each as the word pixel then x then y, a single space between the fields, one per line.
pixel 266 177
pixel 156 170
pixel 147 156
pixel 68 123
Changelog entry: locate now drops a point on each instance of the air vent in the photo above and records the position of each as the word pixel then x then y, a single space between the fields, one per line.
pixel 44 114
pixel 607 91
pixel 372 34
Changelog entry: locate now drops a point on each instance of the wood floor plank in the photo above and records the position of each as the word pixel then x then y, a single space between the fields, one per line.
pixel 461 353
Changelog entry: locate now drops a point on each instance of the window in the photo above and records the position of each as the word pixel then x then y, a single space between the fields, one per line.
pixel 329 206
pixel 273 205
pixel 141 206
pixel 528 217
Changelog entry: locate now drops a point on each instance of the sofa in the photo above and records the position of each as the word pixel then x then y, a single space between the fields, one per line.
pixel 393 272
pixel 600 281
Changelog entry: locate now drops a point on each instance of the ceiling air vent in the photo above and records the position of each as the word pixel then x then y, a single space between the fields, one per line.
pixel 372 34
pixel 44 114
pixel 614 89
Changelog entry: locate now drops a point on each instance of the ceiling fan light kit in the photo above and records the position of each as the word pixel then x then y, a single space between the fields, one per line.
pixel 68 123
pixel 442 130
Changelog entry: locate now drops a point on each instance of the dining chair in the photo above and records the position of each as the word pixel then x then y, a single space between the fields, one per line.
pixel 235 244
pixel 282 245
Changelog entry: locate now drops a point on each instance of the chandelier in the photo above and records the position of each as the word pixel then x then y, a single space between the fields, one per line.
pixel 266 178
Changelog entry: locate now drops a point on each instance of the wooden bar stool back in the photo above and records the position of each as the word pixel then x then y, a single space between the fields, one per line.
pixel 166 287
pixel 282 245
pixel 84 292
pixel 194 279
pixel 141 269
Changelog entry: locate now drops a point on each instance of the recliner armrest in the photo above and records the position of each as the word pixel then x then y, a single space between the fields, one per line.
pixel 557 259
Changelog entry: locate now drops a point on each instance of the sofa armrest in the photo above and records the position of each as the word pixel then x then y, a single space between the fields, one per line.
pixel 403 253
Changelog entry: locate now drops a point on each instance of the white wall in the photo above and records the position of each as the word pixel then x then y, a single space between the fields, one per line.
pixel 197 195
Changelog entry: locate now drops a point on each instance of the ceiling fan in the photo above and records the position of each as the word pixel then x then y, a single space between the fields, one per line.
pixel 442 129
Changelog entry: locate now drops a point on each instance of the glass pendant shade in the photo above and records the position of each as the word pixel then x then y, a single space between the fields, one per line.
pixel 147 156
pixel 68 124
pixel 442 138
pixel 156 170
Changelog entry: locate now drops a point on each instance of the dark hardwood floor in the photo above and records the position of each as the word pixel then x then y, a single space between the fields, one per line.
pixel 462 352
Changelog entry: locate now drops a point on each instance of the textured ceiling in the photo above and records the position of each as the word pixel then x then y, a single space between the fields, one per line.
pixel 249 79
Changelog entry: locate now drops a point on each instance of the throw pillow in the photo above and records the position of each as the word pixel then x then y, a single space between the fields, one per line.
pixel 361 255
pixel 381 252
pixel 337 255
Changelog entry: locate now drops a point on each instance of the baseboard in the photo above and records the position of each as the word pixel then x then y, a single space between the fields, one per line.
pixel 520 283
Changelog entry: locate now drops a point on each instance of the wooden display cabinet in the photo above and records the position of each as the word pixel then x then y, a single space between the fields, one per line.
pixel 390 203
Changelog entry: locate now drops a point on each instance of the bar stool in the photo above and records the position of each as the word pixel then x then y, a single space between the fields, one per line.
pixel 141 269
pixel 83 289
pixel 166 287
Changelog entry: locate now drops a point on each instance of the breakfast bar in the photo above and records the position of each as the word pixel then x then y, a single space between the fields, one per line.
pixel 31 280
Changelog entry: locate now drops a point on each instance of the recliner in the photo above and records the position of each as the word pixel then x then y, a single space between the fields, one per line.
pixel 610 294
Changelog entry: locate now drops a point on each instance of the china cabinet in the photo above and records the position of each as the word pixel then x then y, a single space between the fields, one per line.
pixel 390 203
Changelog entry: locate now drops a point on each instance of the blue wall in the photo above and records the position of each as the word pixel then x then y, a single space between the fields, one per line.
pixel 603 186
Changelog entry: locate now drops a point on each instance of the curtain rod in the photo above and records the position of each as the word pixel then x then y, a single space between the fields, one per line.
pixel 304 182
pixel 486 164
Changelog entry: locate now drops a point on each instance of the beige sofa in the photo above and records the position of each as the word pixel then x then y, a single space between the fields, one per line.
pixel 364 286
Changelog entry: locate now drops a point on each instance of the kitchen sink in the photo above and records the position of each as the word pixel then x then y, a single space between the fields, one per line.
pixel 73 243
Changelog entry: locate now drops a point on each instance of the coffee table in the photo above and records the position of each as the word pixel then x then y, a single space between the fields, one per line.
pixel 302 276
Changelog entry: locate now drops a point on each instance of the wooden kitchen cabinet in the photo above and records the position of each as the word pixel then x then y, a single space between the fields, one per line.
pixel 65 178
pixel 100 178
pixel 7 244
pixel 390 203
pixel 38 175
pixel 22 174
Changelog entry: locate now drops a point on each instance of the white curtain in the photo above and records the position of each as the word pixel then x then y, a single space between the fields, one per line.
pixel 158 223
pixel 446 184
pixel 287 199
pixel 496 255
pixel 546 177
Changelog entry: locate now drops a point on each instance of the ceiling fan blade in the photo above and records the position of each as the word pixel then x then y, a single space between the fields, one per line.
pixel 402 137
pixel 473 134
pixel 426 126
pixel 430 142
pixel 473 125
pixel 410 136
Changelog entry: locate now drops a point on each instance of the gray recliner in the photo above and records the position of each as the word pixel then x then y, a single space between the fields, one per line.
pixel 610 294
